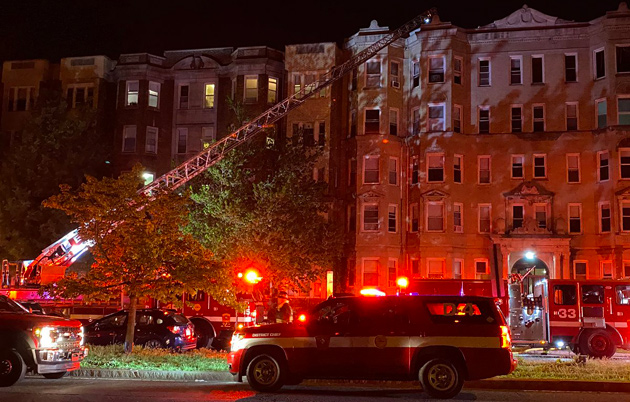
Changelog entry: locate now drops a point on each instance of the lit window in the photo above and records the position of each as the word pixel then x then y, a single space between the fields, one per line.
pixel 457 168
pixel 373 74
pixel 517 166
pixel 372 121
pixel 151 140
pixel 537 70
pixel 371 171
pixel 601 113
pixel 132 93
pixel 539 118
pixel 484 119
pixel 154 94
pixel 208 100
pixel 604 217
pixel 370 217
pixel 516 74
pixel 575 218
pixel 436 69
pixel 272 90
pixel 570 68
pixel 458 219
pixel 517 119
pixel 572 116
pixel 251 88
pixel 436 117
pixel 540 166
pixel 600 63
pixel 484 218
pixel 435 217
pixel 129 139
pixel 435 168
pixel 484 169
pixel 603 173
pixel 573 168
pixel 484 73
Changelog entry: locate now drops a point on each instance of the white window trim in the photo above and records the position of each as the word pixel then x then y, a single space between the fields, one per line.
pixel 380 119
pixel 617 106
pixel 544 118
pixel 159 95
pixel 599 215
pixel 363 229
pixel 365 157
pixel 379 60
pixel 398 178
pixel 619 159
pixel 599 180
pixel 575 262
pixel 461 168
pixel 579 205
pixel 577 75
pixel 440 154
pixel 517 204
pixel 621 205
pixel 157 135
pixel 461 266
pixel 516 106
pixel 378 274
pixel 437 56
pixel 544 156
pixel 487 266
pixel 395 81
pixel 594 56
pixel 601 269
pixel 542 66
pixel 123 139
pixel 479 109
pixel 546 206
pixel 479 157
pixel 203 99
pixel 443 106
pixel 577 115
pixel 245 78
pixel 519 58
pixel 443 263
pixel 127 104
pixel 458 229
pixel 579 168
pixel 479 59
pixel 426 214
pixel 522 156
pixel 479 217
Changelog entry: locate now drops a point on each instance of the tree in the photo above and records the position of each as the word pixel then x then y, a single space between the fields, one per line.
pixel 260 205
pixel 57 146
pixel 139 245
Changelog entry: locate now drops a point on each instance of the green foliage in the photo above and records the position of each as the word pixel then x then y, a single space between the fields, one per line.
pixel 261 206
pixel 57 146
pixel 571 369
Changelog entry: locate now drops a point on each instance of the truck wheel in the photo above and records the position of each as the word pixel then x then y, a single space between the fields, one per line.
pixel 205 334
pixel 12 367
pixel 55 376
pixel 265 373
pixel 441 379
pixel 597 344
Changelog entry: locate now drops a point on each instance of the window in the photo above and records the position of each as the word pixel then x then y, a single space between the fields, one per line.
pixel 540 166
pixel 370 218
pixel 606 270
pixel 370 272
pixel 572 116
pixel 208 100
pixel 321 134
pixel 517 216
pixel 435 268
pixel 151 140
pixel 373 74
pixel 601 113
pixel 625 216
pixel 458 217
pixel 481 268
pixel 372 121
pixel 517 166
pixel 148 177
pixel 516 72
pixel 623 59
pixel 415 129
pixel 436 117
pixel 182 140
pixel 457 118
pixel 458 266
pixel 394 74
pixel 623 294
pixel 415 170
pixel 21 99
pixel 484 119
pixel 435 168
pixel 392 273
pixel 352 172
pixel 573 168
pixel 133 88
pixel 272 90
pixel 603 173
pixel 251 88
pixel 484 169
pixel 541 215
pixel 414 217
pixel 370 170
pixel 600 63
pixel 604 217
pixel 309 82
pixel 415 68
pixel 435 216
pixel 517 118
pixel 82 94
pixel 353 123
pixel 183 96
pixel 623 111
pixel 129 139
pixel 207 137
pixel 624 162
pixel 154 94
pixel 393 121
pixel 436 69
pixel 392 218
pixel 457 168
pixel 564 295
pixel 575 218
pixel 626 269
pixel 393 171
pixel 484 72
pixel 484 218
pixel 457 70
pixel 593 294
pixel 537 70
pixel 539 118
pixel 297 83
pixel 570 68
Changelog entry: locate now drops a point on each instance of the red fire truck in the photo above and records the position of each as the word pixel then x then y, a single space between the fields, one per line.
pixel 590 317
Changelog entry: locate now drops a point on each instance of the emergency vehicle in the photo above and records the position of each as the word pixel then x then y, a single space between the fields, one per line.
pixel 440 340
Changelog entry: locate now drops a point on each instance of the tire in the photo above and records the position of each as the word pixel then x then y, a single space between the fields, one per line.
pixel 55 376
pixel 153 344
pixel 12 367
pixel 597 344
pixel 441 379
pixel 265 373
pixel 205 334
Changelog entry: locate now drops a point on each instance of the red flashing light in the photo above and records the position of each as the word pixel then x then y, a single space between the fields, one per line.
pixel 402 282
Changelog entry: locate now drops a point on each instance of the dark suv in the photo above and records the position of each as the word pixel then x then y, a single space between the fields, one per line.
pixel 155 328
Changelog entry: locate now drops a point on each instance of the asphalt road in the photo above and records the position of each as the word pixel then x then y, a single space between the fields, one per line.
pixel 36 389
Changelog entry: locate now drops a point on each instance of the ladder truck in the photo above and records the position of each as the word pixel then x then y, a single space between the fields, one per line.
pixel 52 262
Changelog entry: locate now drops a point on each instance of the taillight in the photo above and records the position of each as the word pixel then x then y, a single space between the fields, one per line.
pixel 176 329
pixel 506 340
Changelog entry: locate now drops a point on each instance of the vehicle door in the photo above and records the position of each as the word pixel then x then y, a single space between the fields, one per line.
pixel 592 299
pixel 619 309
pixel 145 327
pixel 108 330
pixel 329 346
pixel 564 313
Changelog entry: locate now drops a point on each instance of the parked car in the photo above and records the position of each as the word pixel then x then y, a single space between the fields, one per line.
pixel 155 328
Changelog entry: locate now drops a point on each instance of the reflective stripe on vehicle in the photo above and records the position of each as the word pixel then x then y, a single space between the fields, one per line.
pixel 565 324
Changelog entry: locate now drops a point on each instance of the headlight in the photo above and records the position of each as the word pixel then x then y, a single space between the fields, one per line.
pixel 82 335
pixel 47 336
pixel 237 342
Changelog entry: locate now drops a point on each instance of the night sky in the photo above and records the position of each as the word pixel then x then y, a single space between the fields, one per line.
pixel 51 29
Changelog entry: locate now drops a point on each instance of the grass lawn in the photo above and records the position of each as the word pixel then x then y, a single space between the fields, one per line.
pixel 590 370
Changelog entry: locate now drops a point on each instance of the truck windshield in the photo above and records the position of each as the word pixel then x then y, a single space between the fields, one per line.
pixel 9 305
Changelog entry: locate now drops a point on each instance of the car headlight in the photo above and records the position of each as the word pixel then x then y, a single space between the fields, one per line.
pixel 237 342
pixel 47 336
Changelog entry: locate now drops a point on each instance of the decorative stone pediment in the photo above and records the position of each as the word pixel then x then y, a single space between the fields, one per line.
pixel 195 62
pixel 528 188
pixel 623 194
pixel 433 195
pixel 370 194
pixel 526 18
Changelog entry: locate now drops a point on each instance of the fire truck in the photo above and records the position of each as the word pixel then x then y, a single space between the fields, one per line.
pixel 590 317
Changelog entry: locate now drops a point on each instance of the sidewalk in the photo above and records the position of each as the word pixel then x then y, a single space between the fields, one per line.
pixel 222 376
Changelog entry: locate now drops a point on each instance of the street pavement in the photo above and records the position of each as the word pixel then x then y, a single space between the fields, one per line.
pixel 36 389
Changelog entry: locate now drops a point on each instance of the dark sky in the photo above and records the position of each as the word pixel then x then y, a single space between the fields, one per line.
pixel 58 28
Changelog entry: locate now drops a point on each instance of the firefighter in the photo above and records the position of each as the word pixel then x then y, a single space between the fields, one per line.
pixel 285 312
pixel 272 312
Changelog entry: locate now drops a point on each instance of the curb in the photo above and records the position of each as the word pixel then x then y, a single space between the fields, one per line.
pixel 496 384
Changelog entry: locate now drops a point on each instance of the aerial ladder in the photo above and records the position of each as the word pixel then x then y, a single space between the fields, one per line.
pixel 65 251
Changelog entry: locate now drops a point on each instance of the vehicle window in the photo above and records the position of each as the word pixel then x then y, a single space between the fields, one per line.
pixel 117 320
pixel 145 319
pixel 334 317
pixel 623 294
pixel 593 294
pixel 7 304
pixel 564 295
pixel 380 317
pixel 454 311
pixel 179 319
